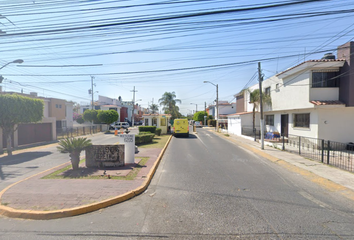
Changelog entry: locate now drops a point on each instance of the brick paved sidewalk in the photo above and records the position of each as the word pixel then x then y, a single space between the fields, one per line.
pixel 55 194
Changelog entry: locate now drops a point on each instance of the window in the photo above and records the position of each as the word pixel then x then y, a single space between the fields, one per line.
pixel 154 122
pixel 302 120
pixel 325 79
pixel 146 122
pixel 269 120
pixel 267 91
pixel 163 121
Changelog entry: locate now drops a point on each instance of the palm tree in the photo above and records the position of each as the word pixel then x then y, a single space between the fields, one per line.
pixel 169 101
pixel 255 99
pixel 154 108
pixel 74 146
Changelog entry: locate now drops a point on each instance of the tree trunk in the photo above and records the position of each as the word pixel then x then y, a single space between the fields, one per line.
pixel 9 145
pixel 8 136
pixel 75 160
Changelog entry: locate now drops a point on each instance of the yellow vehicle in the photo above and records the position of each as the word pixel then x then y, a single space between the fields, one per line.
pixel 181 127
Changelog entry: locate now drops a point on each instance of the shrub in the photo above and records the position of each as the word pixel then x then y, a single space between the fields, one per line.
pixel 80 120
pixel 144 133
pixel 212 122
pixel 158 131
pixel 144 138
pixel 151 129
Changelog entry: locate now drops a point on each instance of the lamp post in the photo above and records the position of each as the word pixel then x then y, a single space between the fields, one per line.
pixel 196 107
pixel 15 61
pixel 217 104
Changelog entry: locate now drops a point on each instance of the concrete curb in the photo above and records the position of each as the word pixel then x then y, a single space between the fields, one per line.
pixel 46 215
pixel 321 181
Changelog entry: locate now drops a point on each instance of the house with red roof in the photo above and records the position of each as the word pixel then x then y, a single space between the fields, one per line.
pixel 313 99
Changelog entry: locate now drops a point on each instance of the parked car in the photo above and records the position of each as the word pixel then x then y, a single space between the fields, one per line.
pixel 198 125
pixel 119 125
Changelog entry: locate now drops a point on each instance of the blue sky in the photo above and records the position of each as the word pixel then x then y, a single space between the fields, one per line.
pixel 162 46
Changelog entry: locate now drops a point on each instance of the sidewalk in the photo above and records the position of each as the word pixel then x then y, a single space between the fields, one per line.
pixel 331 178
pixel 36 198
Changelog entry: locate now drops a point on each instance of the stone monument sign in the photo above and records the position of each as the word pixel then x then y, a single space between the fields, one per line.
pixel 105 156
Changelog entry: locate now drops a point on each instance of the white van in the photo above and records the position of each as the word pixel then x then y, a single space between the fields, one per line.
pixel 119 125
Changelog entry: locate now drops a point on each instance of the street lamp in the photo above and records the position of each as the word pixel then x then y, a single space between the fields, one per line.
pixel 217 104
pixel 16 61
pixel 196 107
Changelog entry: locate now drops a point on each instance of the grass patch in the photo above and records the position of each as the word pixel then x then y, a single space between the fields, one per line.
pixel 226 135
pixel 131 176
pixel 157 142
pixel 55 175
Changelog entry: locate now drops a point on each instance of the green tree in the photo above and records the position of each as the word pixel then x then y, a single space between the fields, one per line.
pixel 90 116
pixel 154 108
pixel 199 116
pixel 108 116
pixel 16 109
pixel 169 101
pixel 255 99
pixel 74 146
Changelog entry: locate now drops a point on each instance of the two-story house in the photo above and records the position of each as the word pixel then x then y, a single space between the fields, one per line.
pixel 57 114
pixel 313 99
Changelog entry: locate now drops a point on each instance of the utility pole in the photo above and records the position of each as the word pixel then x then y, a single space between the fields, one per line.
pixel 217 107
pixel 261 105
pixel 92 78
pixel 133 105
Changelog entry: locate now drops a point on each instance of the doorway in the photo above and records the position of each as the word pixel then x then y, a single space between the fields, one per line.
pixel 284 125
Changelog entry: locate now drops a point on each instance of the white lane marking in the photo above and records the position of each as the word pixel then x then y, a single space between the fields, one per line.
pixel 207 134
pixel 202 142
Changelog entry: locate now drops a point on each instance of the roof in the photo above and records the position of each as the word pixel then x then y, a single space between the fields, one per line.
pixel 313 61
pixel 111 106
pixel 240 113
pixel 319 103
pixel 156 115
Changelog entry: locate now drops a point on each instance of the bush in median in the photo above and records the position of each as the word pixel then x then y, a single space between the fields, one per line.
pixel 158 131
pixel 151 129
pixel 144 138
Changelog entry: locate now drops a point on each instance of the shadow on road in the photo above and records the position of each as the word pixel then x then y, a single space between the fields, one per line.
pixel 18 159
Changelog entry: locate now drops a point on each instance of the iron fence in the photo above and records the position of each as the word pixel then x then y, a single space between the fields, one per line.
pixel 79 131
pixel 337 154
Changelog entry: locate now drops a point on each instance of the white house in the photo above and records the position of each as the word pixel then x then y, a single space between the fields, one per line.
pixel 313 99
pixel 158 120
pixel 225 108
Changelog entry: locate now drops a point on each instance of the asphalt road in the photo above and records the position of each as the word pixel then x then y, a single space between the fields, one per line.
pixel 208 188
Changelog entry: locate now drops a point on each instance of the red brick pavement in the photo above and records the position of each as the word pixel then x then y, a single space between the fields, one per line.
pixel 55 194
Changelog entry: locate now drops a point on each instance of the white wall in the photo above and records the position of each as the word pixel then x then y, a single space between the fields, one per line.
pixel 312 131
pixel 329 94
pixel 227 109
pixel 234 125
pixel 69 114
pixel 336 124
pixel 294 93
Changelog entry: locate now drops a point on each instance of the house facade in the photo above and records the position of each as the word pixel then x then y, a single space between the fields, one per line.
pixel 57 113
pixel 159 120
pixel 314 99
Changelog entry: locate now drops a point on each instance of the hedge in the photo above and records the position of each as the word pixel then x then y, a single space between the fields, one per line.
pixel 144 138
pixel 158 131
pixel 212 122
pixel 151 129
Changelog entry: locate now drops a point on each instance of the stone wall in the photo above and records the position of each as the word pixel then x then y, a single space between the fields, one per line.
pixel 105 156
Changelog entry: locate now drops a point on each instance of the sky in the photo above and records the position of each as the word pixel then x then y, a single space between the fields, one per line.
pixel 162 46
